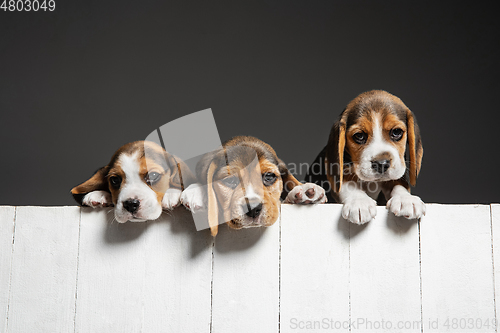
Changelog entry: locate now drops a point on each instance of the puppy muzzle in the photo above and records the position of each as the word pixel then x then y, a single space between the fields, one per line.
pixel 381 166
pixel 251 215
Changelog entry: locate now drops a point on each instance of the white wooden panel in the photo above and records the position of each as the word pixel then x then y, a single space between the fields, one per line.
pixel 314 269
pixel 178 288
pixel 495 228
pixel 385 275
pixel 157 276
pixel 44 266
pixel 7 215
pixel 151 277
pixel 246 280
pixel 111 269
pixel 457 271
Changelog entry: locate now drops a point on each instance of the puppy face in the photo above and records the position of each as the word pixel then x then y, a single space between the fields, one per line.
pixel 137 177
pixel 137 185
pixel 371 139
pixel 376 143
pixel 248 195
pixel 244 181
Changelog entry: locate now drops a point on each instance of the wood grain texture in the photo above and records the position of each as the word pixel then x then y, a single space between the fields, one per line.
pixel 7 215
pixel 495 229
pixel 178 285
pixel 314 268
pixel 385 275
pixel 246 280
pixel 66 269
pixel 150 277
pixel 44 267
pixel 457 270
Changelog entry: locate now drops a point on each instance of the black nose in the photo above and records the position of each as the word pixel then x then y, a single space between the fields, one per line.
pixel 381 166
pixel 255 211
pixel 131 205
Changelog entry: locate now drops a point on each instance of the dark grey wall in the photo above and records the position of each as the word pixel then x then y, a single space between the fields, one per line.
pixel 77 83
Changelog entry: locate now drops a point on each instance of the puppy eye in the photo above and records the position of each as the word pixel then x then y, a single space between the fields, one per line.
pixel 396 134
pixel 231 182
pixel 115 181
pixel 152 177
pixel 269 178
pixel 360 137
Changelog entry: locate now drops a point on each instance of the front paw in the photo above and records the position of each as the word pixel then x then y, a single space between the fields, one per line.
pixel 359 209
pixel 193 197
pixel 307 193
pixel 171 199
pixel 407 205
pixel 97 199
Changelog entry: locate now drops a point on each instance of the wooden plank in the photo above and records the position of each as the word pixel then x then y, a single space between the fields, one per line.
pixel 385 275
pixel 314 269
pixel 178 288
pixel 495 229
pixel 7 215
pixel 246 280
pixel 44 269
pixel 151 277
pixel 456 269
pixel 111 269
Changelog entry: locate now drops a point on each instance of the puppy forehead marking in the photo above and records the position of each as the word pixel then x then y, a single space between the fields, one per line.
pixel 377 135
pixel 131 167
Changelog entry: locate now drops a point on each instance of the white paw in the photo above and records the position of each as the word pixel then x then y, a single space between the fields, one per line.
pixel 407 205
pixel 307 193
pixel 171 199
pixel 359 209
pixel 193 197
pixel 97 199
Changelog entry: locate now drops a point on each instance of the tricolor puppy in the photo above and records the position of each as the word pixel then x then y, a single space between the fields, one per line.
pixel 140 181
pixel 241 184
pixel 365 157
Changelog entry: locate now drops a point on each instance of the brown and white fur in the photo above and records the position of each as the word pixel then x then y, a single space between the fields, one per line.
pixel 242 184
pixel 365 156
pixel 140 181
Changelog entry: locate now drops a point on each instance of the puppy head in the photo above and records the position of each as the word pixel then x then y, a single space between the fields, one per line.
pixel 244 184
pixel 137 177
pixel 371 138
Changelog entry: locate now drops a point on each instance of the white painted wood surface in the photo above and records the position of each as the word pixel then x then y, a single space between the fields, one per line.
pixel 246 280
pixel 385 275
pixel 457 268
pixel 495 230
pixel 7 216
pixel 143 277
pixel 43 274
pixel 314 268
pixel 67 269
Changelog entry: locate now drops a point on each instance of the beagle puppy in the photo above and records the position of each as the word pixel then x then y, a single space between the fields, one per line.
pixel 241 184
pixel 365 158
pixel 140 181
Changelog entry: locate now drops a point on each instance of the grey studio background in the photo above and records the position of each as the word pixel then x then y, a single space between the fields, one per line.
pixel 79 82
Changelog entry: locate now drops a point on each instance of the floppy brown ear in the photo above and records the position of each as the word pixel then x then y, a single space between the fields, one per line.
pixel 414 146
pixel 181 176
pixel 213 207
pixel 97 182
pixel 334 157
